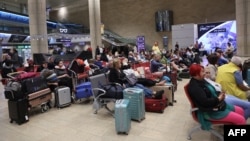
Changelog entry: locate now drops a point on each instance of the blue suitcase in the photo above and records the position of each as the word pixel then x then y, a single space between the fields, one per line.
pixel 122 116
pixel 83 90
pixel 137 102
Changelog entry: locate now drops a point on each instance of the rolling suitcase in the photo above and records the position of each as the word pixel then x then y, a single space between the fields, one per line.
pixel 62 97
pixel 168 92
pixel 18 111
pixel 83 90
pixel 156 105
pixel 137 102
pixel 42 98
pixel 122 116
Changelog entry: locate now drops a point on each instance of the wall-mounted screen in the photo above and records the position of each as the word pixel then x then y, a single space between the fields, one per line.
pixel 214 35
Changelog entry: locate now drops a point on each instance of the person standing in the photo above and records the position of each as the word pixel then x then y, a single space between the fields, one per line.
pixel 155 48
pixel 14 57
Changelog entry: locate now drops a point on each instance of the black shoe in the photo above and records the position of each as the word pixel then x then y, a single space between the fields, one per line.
pixel 179 79
pixel 159 94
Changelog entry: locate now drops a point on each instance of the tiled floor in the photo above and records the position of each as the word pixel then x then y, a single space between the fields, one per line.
pixel 78 123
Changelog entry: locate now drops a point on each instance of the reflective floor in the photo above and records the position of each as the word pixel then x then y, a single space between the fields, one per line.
pixel 78 123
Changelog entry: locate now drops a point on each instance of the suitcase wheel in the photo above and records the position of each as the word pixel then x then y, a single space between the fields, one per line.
pixel 125 133
pixel 11 121
pixel 44 108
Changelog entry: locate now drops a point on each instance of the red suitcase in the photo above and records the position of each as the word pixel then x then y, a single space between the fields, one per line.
pixel 156 105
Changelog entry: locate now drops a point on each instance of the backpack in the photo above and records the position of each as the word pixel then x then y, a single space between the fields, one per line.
pixel 13 91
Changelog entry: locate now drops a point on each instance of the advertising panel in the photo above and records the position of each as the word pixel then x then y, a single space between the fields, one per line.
pixel 140 42
pixel 214 35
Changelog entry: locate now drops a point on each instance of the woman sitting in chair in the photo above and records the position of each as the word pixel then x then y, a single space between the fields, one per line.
pixel 211 104
pixel 117 76
pixel 62 74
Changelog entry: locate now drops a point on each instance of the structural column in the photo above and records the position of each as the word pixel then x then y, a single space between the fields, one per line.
pixel 243 27
pixel 95 24
pixel 38 26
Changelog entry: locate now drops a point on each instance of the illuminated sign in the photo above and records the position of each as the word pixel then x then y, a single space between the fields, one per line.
pixel 63 30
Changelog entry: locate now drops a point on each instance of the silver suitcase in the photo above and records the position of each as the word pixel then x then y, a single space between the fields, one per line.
pixel 62 97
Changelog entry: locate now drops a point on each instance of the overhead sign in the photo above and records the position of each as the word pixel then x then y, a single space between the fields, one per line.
pixel 63 30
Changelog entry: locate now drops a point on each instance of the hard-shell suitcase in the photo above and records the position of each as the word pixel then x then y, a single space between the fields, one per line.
pixel 18 111
pixel 83 90
pixel 62 97
pixel 156 105
pixel 122 116
pixel 137 102
pixel 168 92
pixel 42 98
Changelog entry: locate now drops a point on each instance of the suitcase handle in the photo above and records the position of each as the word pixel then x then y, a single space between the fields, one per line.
pixel 131 90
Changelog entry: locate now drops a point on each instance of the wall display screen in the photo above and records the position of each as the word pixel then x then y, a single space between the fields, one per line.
pixel 214 35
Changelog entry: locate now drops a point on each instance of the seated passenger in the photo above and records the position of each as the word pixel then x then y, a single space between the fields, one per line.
pixel 126 69
pixel 63 78
pixel 156 67
pixel 8 67
pixel 230 99
pixel 230 78
pixel 51 64
pixel 211 104
pixel 117 76
pixel 31 66
pixel 43 66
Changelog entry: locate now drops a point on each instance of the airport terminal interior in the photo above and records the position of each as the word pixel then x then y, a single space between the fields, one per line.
pixel 72 28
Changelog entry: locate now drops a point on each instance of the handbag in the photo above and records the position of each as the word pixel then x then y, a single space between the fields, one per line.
pixel 131 79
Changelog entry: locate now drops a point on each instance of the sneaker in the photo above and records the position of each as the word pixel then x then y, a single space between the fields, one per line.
pixel 159 94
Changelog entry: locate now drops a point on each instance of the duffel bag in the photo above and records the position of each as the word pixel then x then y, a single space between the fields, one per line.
pixel 113 91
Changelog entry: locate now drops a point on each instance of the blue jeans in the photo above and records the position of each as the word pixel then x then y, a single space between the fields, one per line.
pixel 147 92
pixel 245 105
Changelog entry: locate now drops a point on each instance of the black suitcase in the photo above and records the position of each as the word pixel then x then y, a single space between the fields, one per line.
pixel 18 111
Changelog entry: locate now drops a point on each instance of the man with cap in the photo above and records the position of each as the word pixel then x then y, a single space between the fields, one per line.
pixel 230 78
